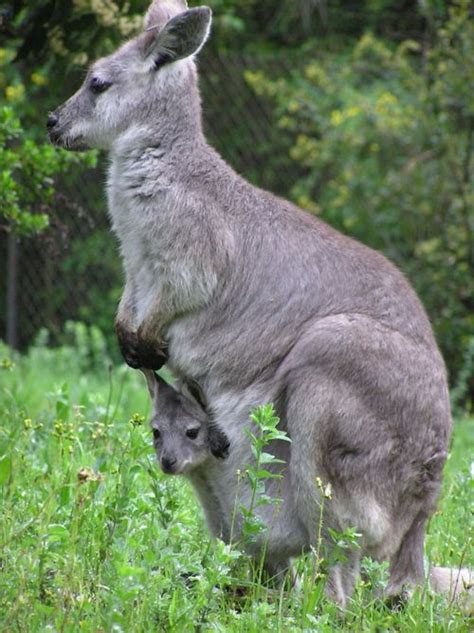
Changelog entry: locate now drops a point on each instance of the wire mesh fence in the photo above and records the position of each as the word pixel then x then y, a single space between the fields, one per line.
pixel 72 271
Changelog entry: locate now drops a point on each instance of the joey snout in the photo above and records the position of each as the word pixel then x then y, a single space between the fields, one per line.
pixel 169 464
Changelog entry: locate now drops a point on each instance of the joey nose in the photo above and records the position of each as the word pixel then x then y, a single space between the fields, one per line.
pixel 167 464
pixel 52 120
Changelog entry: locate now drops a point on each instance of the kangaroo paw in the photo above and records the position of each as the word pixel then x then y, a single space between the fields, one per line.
pixel 138 353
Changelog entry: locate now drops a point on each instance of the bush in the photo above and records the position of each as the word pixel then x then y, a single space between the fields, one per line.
pixel 27 171
pixel 384 135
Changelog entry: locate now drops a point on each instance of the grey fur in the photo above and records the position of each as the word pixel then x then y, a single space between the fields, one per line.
pixel 259 301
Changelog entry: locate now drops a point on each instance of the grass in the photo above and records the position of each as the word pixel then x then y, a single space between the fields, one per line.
pixel 94 538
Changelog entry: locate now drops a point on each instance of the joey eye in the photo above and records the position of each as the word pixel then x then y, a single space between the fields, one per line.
pixel 156 434
pixel 98 85
pixel 192 433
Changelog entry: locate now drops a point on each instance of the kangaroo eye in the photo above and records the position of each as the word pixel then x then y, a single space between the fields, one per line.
pixel 192 433
pixel 156 434
pixel 98 85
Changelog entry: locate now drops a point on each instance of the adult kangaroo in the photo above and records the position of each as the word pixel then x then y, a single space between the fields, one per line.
pixel 258 301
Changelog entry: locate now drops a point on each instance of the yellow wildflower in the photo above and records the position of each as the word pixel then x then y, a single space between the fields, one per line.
pixel 39 79
pixel 336 118
pixel 352 111
pixel 316 74
pixel 15 93
pixel 80 59
pixel 293 106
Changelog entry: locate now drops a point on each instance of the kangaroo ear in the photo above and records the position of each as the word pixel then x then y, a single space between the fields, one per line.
pixel 218 440
pixel 182 36
pixel 161 11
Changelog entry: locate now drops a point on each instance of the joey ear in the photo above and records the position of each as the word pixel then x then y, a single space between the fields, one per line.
pixel 183 36
pixel 218 441
pixel 151 381
pixel 193 391
pixel 157 387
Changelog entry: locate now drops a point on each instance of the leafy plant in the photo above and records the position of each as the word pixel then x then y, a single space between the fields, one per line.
pixel 461 394
pixel 257 473
pixel 384 137
pixel 27 172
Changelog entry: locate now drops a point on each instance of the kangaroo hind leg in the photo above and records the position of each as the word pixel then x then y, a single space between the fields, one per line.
pixel 407 564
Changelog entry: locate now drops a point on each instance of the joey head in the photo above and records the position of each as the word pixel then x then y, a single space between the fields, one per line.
pixel 184 436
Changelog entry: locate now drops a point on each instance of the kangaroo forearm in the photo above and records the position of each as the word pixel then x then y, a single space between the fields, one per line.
pixel 141 344
pixel 126 310
pixel 141 324
pixel 152 326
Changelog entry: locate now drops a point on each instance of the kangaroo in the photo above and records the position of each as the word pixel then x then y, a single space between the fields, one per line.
pixel 257 301
pixel 187 442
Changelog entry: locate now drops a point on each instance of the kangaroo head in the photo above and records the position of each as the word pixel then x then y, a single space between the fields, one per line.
pixel 146 83
pixel 183 434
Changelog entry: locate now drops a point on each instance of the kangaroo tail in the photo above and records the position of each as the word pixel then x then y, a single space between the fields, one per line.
pixel 457 583
pixel 451 580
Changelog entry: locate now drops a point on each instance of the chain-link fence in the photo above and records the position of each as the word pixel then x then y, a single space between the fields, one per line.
pixel 72 271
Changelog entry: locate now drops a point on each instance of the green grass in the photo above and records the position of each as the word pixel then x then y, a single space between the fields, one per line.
pixel 94 538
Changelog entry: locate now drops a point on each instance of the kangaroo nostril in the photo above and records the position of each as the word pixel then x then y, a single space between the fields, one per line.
pixel 52 120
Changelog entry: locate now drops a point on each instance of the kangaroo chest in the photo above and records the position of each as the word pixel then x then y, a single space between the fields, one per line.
pixel 146 214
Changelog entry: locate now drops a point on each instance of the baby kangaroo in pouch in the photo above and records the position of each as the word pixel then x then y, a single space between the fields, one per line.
pixel 187 442
pixel 184 436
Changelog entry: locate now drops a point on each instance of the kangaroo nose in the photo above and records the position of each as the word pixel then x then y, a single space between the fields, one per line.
pixel 52 120
pixel 167 463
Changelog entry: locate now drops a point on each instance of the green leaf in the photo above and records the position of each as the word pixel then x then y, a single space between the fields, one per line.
pixel 57 532
pixel 5 469
pixel 265 474
pixel 268 458
pixel 130 570
pixel 64 495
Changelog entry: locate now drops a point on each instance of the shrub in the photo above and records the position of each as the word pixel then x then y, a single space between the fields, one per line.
pixel 27 171
pixel 384 135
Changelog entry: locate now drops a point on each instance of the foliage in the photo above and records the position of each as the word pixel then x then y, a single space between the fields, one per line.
pixel 94 537
pixel 375 132
pixel 84 29
pixel 27 172
pixel 91 270
pixel 461 395
pixel 384 136
pixel 257 473
pixel 83 346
